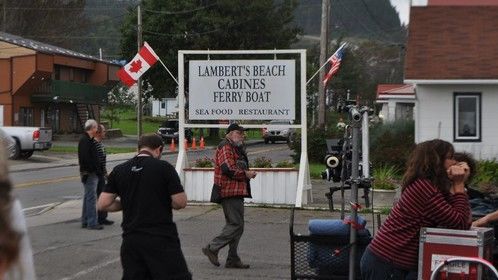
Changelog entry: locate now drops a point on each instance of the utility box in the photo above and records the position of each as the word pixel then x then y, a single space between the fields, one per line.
pixel 438 244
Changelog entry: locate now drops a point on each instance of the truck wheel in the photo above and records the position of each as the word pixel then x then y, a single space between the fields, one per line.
pixel 16 152
pixel 26 154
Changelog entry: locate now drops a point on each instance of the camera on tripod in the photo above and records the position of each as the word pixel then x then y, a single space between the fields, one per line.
pixel 333 160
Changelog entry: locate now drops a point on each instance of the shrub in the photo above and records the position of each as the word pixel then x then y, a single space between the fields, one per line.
pixel 284 164
pixel 391 144
pixel 317 148
pixel 261 162
pixel 486 179
pixel 204 162
pixel 385 177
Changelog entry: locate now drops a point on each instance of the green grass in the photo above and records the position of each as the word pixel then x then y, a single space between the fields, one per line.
pixel 316 170
pixel 109 150
pixel 128 126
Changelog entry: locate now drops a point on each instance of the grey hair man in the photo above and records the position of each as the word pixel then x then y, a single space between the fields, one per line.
pixel 90 171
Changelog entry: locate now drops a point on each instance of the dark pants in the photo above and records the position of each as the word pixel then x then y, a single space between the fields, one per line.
pixel 101 215
pixel 376 268
pixel 153 257
pixel 233 208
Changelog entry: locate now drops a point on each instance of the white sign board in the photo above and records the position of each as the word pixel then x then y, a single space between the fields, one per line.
pixel 242 89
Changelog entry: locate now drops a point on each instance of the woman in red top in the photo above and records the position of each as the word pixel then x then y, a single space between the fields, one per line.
pixel 433 195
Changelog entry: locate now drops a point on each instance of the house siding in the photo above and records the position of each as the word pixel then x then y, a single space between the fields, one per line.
pixel 434 111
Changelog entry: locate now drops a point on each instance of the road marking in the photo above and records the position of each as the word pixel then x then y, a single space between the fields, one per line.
pixel 46 181
pixel 91 269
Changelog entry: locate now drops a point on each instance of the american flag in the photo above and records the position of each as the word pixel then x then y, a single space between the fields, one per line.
pixel 335 62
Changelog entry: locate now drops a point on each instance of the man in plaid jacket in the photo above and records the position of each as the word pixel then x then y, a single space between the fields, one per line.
pixel 232 174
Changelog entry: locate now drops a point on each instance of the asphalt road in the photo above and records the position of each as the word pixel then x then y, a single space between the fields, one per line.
pixel 37 188
pixel 63 251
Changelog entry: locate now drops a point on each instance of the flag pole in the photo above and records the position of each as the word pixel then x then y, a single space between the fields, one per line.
pixel 139 80
pixel 168 70
pixel 327 61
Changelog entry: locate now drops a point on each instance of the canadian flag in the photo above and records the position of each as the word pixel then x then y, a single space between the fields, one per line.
pixel 132 71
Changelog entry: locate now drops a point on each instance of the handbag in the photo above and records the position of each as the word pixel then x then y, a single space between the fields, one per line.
pixel 216 194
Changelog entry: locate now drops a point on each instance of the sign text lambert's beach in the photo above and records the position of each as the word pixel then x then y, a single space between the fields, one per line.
pixel 241 89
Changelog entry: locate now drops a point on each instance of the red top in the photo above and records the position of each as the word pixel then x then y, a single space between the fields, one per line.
pixel 229 171
pixel 421 205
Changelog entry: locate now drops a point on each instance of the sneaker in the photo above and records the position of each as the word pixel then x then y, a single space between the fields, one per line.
pixel 96 227
pixel 106 222
pixel 237 264
pixel 212 256
pixel 83 225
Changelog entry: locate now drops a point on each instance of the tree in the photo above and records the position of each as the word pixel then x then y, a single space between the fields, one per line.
pixel 169 26
pixel 47 21
pixel 117 99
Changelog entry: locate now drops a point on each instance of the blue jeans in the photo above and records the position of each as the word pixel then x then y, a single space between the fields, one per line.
pixel 89 213
pixel 376 268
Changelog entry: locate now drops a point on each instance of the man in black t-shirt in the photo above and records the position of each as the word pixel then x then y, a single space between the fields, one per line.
pixel 147 189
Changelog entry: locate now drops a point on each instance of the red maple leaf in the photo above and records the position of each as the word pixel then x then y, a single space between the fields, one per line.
pixel 136 66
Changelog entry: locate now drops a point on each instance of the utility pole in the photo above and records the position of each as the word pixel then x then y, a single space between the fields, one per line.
pixel 323 57
pixel 4 16
pixel 139 82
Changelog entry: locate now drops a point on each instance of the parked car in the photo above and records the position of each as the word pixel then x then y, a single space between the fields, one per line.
pixel 169 130
pixel 8 142
pixel 28 139
pixel 278 134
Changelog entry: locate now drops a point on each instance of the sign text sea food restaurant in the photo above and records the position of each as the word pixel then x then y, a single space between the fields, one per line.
pixel 242 89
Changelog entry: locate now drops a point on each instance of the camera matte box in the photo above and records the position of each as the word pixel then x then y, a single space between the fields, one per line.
pixel 439 244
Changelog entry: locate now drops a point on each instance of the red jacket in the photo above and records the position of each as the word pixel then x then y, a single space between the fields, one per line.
pixel 229 171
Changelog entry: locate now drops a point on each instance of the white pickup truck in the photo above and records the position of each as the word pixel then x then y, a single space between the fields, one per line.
pixel 27 140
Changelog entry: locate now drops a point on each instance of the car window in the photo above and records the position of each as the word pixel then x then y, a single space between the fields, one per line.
pixel 170 124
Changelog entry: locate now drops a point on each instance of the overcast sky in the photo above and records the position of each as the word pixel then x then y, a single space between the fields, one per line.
pixel 402 6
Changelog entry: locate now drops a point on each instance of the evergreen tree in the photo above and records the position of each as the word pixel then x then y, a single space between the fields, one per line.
pixel 47 21
pixel 169 26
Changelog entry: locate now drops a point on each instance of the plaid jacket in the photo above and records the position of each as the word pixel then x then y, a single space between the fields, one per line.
pixel 229 172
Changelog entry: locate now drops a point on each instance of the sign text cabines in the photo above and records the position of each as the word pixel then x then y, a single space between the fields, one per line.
pixel 242 89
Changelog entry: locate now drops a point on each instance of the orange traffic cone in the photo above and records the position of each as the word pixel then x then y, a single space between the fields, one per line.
pixel 201 143
pixel 186 144
pixel 172 147
pixel 193 143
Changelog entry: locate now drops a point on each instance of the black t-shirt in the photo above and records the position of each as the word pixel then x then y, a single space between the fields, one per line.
pixel 145 186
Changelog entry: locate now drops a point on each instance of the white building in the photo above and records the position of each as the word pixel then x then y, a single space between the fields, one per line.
pixel 164 107
pixel 452 60
pixel 397 101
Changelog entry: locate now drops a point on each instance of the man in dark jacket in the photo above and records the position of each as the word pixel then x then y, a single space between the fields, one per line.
pixel 90 172
pixel 232 174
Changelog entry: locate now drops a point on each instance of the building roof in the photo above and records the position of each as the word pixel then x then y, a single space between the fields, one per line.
pixel 452 42
pixel 45 48
pixel 386 91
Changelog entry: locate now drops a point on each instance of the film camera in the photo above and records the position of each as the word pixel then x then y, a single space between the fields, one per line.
pixel 333 160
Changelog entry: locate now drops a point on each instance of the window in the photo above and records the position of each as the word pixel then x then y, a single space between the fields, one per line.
pixel 26 116
pixel 467 117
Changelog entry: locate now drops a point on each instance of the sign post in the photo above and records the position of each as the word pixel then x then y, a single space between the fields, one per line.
pixel 244 89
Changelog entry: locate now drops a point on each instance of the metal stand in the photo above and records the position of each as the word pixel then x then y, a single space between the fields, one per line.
pixel 356 116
